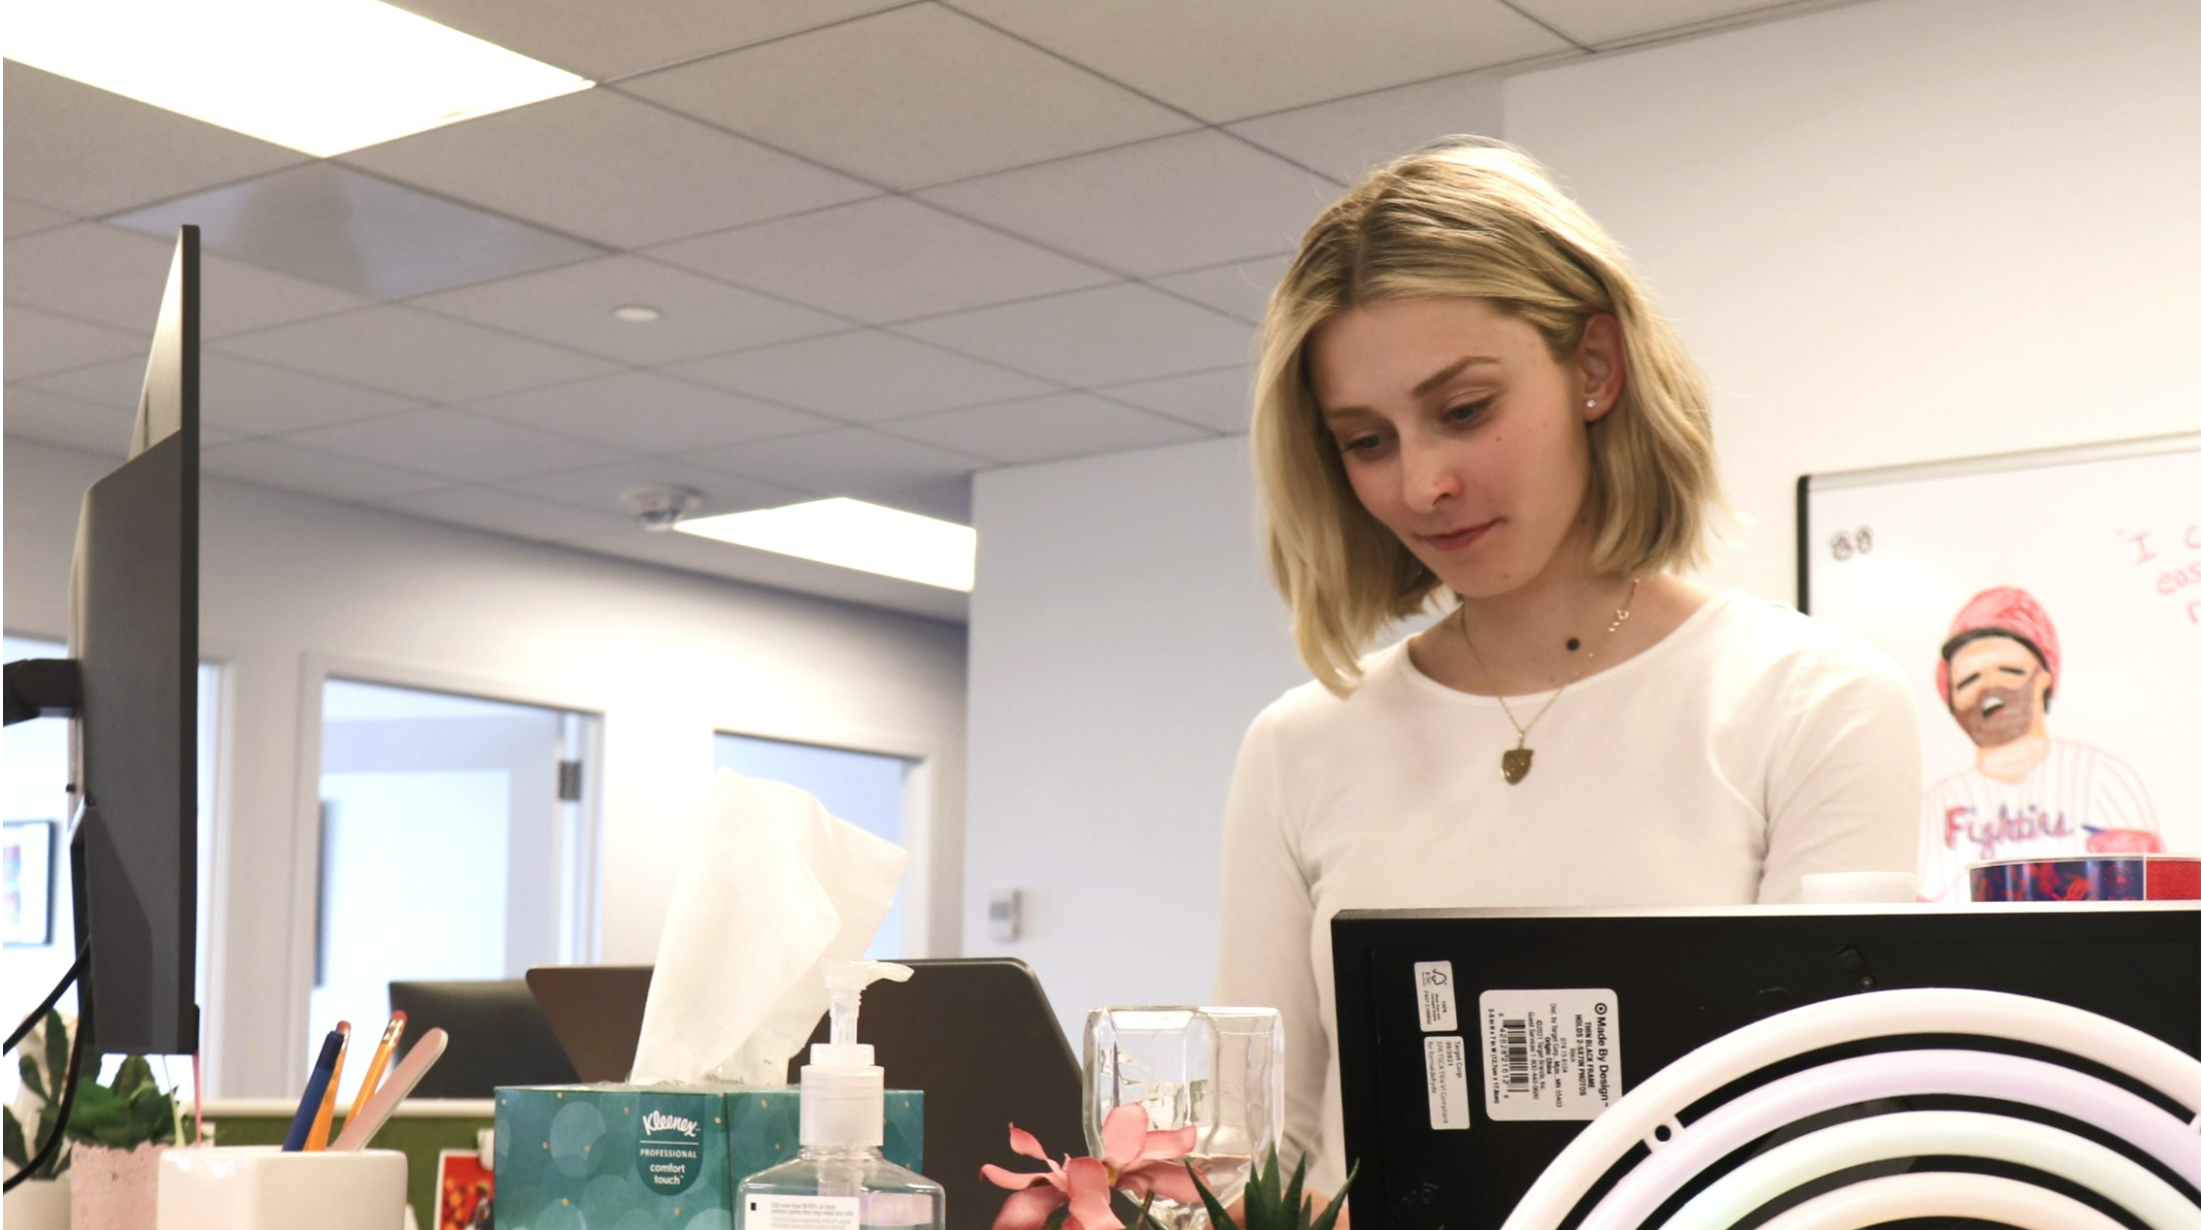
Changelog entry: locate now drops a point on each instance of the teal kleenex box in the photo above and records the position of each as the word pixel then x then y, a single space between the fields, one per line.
pixel 654 1157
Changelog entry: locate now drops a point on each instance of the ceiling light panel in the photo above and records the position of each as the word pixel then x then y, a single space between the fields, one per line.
pixel 320 78
pixel 854 534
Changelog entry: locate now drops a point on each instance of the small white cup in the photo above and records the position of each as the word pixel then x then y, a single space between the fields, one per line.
pixel 264 1188
pixel 1860 888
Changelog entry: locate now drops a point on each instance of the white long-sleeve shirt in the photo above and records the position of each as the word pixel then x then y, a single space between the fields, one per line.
pixel 1750 747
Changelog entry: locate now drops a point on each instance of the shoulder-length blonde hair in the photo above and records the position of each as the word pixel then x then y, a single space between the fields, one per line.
pixel 1476 218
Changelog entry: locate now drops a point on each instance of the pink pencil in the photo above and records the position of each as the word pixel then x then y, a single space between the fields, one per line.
pixel 360 1128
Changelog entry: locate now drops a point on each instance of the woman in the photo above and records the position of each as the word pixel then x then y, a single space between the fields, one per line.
pixel 1466 403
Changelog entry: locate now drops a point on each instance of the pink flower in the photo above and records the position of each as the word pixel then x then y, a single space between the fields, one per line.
pixel 1133 1160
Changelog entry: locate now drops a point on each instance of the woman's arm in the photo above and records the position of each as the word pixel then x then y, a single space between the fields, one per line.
pixel 1843 783
pixel 1265 955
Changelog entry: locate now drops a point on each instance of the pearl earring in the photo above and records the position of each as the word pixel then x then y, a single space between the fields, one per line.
pixel 1591 404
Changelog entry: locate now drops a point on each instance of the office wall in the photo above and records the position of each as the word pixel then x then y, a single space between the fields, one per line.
pixel 293 587
pixel 1894 231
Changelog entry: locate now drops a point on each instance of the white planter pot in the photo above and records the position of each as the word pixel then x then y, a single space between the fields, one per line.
pixel 114 1189
pixel 40 1204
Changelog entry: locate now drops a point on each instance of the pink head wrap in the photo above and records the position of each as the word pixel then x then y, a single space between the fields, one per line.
pixel 2012 612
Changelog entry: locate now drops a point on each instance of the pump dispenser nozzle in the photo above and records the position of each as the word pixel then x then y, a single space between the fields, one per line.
pixel 843 1092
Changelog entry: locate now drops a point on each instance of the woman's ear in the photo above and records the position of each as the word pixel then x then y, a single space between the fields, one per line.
pixel 1601 365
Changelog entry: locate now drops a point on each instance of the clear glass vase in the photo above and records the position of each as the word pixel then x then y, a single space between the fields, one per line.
pixel 1220 1070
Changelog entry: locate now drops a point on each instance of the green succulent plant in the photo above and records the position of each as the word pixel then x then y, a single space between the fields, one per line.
pixel 1271 1203
pixel 132 1111
pixel 44 1062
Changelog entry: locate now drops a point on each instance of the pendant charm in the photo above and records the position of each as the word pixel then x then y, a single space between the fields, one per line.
pixel 1515 764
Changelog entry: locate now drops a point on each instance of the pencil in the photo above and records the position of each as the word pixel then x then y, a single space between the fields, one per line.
pixel 368 1083
pixel 318 1138
pixel 317 1087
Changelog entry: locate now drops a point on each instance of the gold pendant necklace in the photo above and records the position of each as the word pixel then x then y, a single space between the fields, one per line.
pixel 1515 762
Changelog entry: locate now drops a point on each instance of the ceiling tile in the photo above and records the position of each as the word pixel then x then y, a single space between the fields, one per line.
pixel 1601 22
pixel 1103 336
pixel 598 487
pixel 23 217
pixel 1351 136
pixel 114 276
pixel 948 499
pixel 725 560
pixel 414 353
pixel 328 475
pixel 1221 399
pixel 51 419
pixel 573 305
pixel 648 413
pixel 40 342
pixel 236 395
pixel 850 461
pixel 455 445
pixel 72 147
pixel 915 95
pixel 1239 289
pixel 863 376
pixel 1184 202
pixel 601 41
pixel 1228 59
pixel 1045 429
pixel 882 260
pixel 487 508
pixel 609 169
pixel 359 233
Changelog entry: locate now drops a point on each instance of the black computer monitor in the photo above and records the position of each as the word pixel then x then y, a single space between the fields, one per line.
pixel 498 1036
pixel 130 688
pixel 1670 981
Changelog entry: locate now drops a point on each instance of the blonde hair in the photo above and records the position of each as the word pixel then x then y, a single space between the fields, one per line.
pixel 1466 218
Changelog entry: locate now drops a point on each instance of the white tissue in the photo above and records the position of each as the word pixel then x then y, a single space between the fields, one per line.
pixel 771 885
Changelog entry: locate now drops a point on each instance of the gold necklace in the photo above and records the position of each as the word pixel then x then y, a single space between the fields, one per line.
pixel 1514 764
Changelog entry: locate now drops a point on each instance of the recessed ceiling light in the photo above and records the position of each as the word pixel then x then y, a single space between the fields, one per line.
pixel 639 313
pixel 853 534
pixel 321 77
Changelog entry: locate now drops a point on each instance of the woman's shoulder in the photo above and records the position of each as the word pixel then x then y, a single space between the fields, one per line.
pixel 1751 637
pixel 1313 709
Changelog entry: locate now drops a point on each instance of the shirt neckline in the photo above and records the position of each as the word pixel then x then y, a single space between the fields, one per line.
pixel 1687 628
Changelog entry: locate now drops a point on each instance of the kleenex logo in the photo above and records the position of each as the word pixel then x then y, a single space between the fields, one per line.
pixel 659 1121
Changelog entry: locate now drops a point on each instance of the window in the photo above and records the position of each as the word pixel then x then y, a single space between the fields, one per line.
pixel 449 845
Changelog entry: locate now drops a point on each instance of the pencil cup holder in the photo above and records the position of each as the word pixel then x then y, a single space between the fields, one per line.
pixel 264 1188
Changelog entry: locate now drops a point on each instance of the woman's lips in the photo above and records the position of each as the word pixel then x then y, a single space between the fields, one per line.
pixel 1459 540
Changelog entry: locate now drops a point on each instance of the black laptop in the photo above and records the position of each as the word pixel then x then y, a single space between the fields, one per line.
pixel 1437 1010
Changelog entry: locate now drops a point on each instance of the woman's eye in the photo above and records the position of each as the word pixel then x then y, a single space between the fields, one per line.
pixel 1467 412
pixel 1360 444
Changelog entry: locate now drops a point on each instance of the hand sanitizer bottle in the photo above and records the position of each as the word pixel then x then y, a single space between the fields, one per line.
pixel 840 1181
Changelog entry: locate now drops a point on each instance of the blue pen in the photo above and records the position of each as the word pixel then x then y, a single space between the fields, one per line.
pixel 317 1088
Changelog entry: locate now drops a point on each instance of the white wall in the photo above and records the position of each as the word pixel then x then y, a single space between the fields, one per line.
pixel 1903 231
pixel 1896 231
pixel 1122 635
pixel 294 587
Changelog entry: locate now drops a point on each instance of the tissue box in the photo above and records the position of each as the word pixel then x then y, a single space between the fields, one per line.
pixel 644 1156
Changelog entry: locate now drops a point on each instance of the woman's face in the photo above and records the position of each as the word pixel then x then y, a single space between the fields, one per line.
pixel 1461 433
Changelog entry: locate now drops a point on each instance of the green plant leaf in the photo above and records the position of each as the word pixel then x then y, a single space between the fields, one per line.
pixel 57 1048
pixel 1337 1202
pixel 134 1075
pixel 1218 1216
pixel 32 1080
pixel 1294 1203
pixel 18 1150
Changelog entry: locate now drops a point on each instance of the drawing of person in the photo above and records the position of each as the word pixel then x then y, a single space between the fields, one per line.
pixel 2026 795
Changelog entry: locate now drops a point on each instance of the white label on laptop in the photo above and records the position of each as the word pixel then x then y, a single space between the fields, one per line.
pixel 1433 991
pixel 1446 1060
pixel 1550 1054
pixel 802 1213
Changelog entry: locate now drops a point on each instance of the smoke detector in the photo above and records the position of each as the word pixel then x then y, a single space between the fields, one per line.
pixel 660 508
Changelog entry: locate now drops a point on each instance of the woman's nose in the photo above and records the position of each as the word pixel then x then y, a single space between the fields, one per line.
pixel 1429 476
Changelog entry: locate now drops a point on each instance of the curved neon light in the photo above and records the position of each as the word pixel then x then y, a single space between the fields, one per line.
pixel 1992 1014
pixel 1938 1133
pixel 1895 1074
pixel 1945 1193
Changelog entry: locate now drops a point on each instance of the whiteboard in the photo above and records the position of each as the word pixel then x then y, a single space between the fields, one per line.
pixel 2106 537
